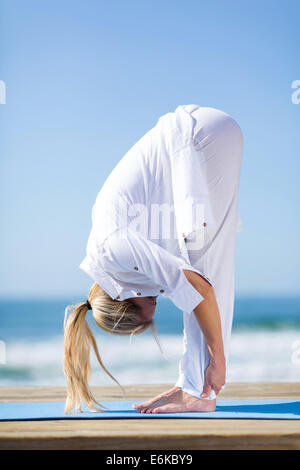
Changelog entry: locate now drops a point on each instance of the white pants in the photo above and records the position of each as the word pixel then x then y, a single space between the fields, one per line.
pixel 221 142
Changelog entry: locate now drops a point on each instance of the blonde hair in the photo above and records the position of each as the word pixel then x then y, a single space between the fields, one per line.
pixel 112 316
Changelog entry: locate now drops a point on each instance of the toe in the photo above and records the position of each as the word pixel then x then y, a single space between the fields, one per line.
pixel 140 405
pixel 143 405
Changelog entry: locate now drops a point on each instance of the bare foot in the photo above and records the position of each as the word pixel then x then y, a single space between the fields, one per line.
pixel 152 401
pixel 180 401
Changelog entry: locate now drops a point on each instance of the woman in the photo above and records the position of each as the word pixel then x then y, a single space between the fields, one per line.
pixel 165 223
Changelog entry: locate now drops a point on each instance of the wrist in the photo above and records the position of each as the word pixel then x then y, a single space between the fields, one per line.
pixel 217 356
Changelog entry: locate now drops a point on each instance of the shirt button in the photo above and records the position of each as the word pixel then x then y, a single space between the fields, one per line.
pixel 136 268
pixel 204 225
pixel 183 235
pixel 161 290
pixel 138 293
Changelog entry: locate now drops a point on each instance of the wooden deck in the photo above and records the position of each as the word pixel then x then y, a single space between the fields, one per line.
pixel 151 434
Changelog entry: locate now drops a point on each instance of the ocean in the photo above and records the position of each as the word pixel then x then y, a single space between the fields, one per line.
pixel 265 345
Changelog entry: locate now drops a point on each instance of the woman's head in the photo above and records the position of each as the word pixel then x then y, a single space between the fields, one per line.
pixel 126 317
pixel 146 307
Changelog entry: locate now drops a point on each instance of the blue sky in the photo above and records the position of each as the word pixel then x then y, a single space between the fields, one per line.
pixel 85 80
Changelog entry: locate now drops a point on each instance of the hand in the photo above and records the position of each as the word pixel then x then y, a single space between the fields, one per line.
pixel 214 377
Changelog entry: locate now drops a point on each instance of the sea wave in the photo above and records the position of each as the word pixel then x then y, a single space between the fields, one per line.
pixel 261 355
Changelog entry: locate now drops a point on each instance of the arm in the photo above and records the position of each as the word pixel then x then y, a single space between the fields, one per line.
pixel 208 317
pixel 126 250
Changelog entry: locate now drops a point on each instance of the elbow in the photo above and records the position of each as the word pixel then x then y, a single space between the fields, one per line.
pixel 200 283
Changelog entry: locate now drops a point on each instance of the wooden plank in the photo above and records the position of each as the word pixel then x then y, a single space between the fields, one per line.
pixel 233 391
pixel 156 434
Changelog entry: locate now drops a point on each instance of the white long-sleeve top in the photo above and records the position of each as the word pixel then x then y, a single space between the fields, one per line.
pixel 131 251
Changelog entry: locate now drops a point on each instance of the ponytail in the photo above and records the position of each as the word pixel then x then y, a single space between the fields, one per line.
pixel 78 339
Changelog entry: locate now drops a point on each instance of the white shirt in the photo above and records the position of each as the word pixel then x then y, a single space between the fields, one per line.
pixel 129 253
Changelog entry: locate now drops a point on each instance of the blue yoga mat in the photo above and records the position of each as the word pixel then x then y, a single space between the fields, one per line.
pixel 234 409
